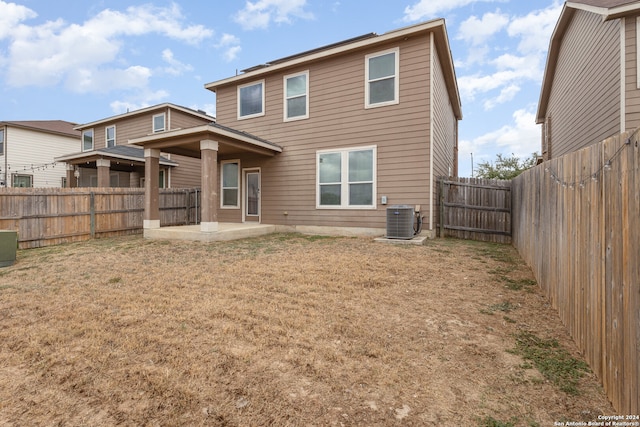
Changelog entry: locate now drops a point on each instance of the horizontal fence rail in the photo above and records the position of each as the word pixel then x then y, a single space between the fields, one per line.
pixel 475 209
pixel 576 222
pixel 50 216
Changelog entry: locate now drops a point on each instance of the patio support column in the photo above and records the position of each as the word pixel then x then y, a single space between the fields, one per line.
pixel 151 188
pixel 72 181
pixel 103 172
pixel 209 162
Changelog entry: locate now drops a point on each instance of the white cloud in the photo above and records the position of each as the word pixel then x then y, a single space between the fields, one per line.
pixel 11 15
pixel 477 31
pixel 506 95
pixel 175 67
pixel 232 53
pixel 520 138
pixel 535 29
pixel 427 9
pixel 261 13
pixel 84 56
pixel 142 100
pixel 506 73
pixel 231 46
pixel 84 80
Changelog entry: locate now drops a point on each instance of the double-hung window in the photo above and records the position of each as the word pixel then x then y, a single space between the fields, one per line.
pixel 1 142
pixel 346 178
pixel 382 78
pixel 230 171
pixel 251 100
pixel 296 98
pixel 87 140
pixel 159 123
pixel 110 136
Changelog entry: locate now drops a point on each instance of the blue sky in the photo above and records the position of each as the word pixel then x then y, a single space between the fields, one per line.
pixel 85 60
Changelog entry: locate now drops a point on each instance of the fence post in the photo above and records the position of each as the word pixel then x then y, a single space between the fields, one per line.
pixel 92 214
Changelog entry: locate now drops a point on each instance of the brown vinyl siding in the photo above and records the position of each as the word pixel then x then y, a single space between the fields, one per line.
pixel 337 120
pixel 632 93
pixel 187 173
pixel 444 125
pixel 585 98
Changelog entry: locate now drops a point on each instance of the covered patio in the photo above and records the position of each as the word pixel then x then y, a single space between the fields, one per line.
pixel 208 143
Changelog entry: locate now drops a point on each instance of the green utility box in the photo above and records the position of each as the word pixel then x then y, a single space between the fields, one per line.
pixel 8 246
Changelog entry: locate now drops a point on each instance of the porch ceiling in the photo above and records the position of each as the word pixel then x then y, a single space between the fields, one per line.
pixel 187 141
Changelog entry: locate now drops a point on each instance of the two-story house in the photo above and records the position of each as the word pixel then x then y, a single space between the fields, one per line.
pixel 28 149
pixel 106 159
pixel 327 138
pixel 591 84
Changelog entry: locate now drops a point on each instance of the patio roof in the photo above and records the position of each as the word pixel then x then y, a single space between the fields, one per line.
pixel 187 141
pixel 124 153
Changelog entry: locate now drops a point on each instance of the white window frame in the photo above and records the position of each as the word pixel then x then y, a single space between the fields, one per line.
pixel 287 98
pixel 21 175
pixel 259 114
pixel 344 183
pixel 2 133
pixel 396 76
pixel 222 188
pixel 164 123
pixel 93 140
pixel 106 136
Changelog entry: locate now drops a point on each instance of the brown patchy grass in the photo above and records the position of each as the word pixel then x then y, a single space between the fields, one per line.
pixel 278 330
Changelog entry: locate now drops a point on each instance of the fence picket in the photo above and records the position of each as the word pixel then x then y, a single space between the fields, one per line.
pixel 577 224
pixel 50 216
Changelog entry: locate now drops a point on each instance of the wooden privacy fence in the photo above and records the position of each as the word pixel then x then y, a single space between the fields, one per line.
pixel 475 209
pixel 49 216
pixel 576 222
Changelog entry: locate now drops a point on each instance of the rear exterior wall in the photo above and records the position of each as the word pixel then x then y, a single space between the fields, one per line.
pixel 584 103
pixel 338 119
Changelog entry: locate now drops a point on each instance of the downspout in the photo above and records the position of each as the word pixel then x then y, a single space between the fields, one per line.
pixel 623 74
pixel 431 115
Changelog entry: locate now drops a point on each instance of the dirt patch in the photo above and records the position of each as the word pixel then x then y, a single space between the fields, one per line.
pixel 279 330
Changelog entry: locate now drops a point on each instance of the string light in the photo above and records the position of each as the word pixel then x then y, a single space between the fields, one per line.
pixel 580 183
pixel 20 167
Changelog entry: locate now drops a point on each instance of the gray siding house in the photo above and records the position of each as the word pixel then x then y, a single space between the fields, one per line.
pixel 591 85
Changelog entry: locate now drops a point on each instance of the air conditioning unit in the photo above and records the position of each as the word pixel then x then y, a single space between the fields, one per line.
pixel 400 222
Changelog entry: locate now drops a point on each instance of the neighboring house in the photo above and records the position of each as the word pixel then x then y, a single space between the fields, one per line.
pixel 28 149
pixel 591 85
pixel 327 138
pixel 107 160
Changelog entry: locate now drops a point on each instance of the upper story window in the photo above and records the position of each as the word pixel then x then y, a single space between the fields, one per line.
pixel 87 140
pixel 110 136
pixel 159 123
pixel 251 100
pixel 382 78
pixel 230 184
pixel 346 178
pixel 296 96
pixel 1 142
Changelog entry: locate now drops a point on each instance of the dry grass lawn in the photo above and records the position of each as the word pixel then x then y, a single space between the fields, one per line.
pixel 282 330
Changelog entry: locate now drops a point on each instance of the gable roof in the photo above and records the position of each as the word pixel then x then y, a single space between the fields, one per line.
pixel 436 26
pixel 147 110
pixel 607 9
pixel 56 127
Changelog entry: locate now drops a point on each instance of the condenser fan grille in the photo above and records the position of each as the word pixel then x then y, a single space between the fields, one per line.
pixel 400 222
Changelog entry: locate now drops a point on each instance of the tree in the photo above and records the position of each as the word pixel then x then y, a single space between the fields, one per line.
pixel 505 167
